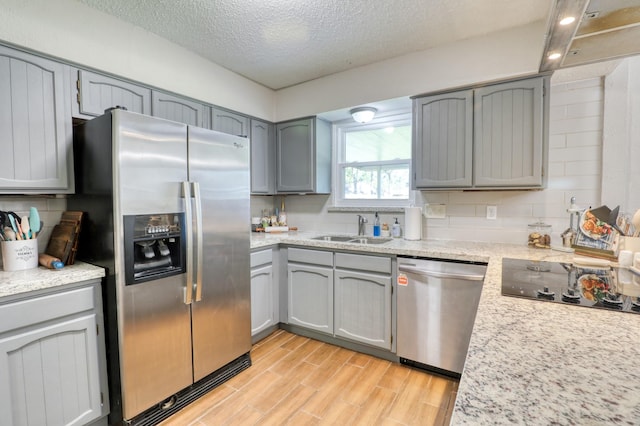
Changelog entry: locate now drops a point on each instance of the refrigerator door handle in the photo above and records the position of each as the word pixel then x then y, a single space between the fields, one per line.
pixel 188 221
pixel 199 240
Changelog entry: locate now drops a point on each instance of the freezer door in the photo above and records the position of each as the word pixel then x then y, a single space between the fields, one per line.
pixel 154 327
pixel 221 312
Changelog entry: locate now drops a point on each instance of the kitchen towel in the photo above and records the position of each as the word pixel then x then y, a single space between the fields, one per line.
pixel 412 223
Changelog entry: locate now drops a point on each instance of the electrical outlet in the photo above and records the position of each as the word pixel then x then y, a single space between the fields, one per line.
pixel 492 212
pixel 435 211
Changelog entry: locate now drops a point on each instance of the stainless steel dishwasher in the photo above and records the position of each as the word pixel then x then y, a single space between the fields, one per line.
pixel 437 304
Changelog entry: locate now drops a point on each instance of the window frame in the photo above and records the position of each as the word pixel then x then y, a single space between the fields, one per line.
pixel 340 129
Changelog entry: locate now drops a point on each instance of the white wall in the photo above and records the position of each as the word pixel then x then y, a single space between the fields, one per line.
pixel 69 30
pixel 496 56
pixel 574 170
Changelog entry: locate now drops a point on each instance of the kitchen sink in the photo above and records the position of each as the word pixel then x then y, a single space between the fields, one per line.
pixel 353 239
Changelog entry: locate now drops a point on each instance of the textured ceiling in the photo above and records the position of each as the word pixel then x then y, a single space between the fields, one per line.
pixel 280 43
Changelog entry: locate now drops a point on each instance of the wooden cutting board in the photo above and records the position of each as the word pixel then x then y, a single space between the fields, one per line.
pixel 63 242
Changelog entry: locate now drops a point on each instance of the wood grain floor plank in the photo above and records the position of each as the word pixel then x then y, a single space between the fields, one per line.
pixel 295 380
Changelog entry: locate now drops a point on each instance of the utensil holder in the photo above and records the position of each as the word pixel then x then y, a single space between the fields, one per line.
pixel 19 255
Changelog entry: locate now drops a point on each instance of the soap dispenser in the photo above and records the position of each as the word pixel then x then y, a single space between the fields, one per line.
pixel 395 229
pixel 376 225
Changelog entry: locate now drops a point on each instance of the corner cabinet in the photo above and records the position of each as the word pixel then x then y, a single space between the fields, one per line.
pixel 490 137
pixel 52 358
pixel 310 289
pixel 35 125
pixel 263 158
pixel 303 156
pixel 264 292
pixel 98 92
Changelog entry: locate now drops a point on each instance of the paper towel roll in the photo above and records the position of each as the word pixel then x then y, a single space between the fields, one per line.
pixel 412 223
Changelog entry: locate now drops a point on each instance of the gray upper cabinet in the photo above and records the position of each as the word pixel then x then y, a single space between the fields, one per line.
pixel 35 125
pixel 303 156
pixel 508 134
pixel 176 108
pixel 490 137
pixel 97 92
pixel 443 130
pixel 228 122
pixel 263 157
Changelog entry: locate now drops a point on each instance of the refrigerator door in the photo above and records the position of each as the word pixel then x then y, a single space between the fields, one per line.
pixel 221 312
pixel 154 328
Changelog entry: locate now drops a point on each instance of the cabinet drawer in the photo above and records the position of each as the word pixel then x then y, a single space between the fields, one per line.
pixel 261 257
pixel 44 308
pixel 315 257
pixel 363 262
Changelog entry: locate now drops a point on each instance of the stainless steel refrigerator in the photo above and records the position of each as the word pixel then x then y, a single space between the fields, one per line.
pixel 167 208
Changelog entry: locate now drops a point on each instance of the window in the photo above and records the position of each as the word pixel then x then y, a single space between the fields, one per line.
pixel 373 162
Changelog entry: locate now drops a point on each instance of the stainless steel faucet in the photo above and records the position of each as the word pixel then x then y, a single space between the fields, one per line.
pixel 361 221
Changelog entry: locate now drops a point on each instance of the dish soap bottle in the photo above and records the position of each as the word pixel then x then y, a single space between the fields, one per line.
pixel 395 229
pixel 376 225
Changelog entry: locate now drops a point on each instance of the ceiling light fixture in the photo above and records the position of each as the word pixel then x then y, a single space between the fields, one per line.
pixel 555 55
pixel 363 114
pixel 568 20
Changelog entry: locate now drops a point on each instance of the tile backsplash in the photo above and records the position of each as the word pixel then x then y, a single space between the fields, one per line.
pixel 50 210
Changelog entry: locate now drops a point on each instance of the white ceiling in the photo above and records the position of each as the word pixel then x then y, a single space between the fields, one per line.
pixel 280 43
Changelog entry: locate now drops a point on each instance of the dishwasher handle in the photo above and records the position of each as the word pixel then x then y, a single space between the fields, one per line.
pixel 436 274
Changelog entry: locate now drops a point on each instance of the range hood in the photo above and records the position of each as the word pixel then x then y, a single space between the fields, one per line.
pixel 604 30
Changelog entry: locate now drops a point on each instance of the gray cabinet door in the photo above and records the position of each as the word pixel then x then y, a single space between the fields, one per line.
pixel 98 92
pixel 295 156
pixel 175 108
pixel 311 297
pixel 508 134
pixel 263 313
pixel 35 124
pixel 52 358
pixel 229 122
pixel 363 307
pixel 443 138
pixel 263 157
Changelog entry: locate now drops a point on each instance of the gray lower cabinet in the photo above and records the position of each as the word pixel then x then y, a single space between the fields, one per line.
pixel 303 156
pixel 263 159
pixel 35 125
pixel 52 358
pixel 362 299
pixel 489 137
pixel 98 92
pixel 264 292
pixel 177 108
pixel 229 122
pixel 310 289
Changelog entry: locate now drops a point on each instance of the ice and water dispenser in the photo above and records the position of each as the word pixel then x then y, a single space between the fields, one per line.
pixel 154 246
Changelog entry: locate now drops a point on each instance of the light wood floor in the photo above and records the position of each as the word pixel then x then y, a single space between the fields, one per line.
pixel 295 380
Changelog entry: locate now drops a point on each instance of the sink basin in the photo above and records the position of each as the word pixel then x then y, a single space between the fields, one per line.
pixel 341 238
pixel 353 239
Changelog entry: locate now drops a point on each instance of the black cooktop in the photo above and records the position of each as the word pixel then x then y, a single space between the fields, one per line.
pixel 588 286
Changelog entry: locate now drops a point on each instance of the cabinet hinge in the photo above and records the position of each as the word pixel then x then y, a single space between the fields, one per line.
pixel 392 339
pixel 101 398
pixel 97 329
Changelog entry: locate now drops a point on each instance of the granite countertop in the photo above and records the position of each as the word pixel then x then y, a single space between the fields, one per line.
pixel 529 362
pixel 18 282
